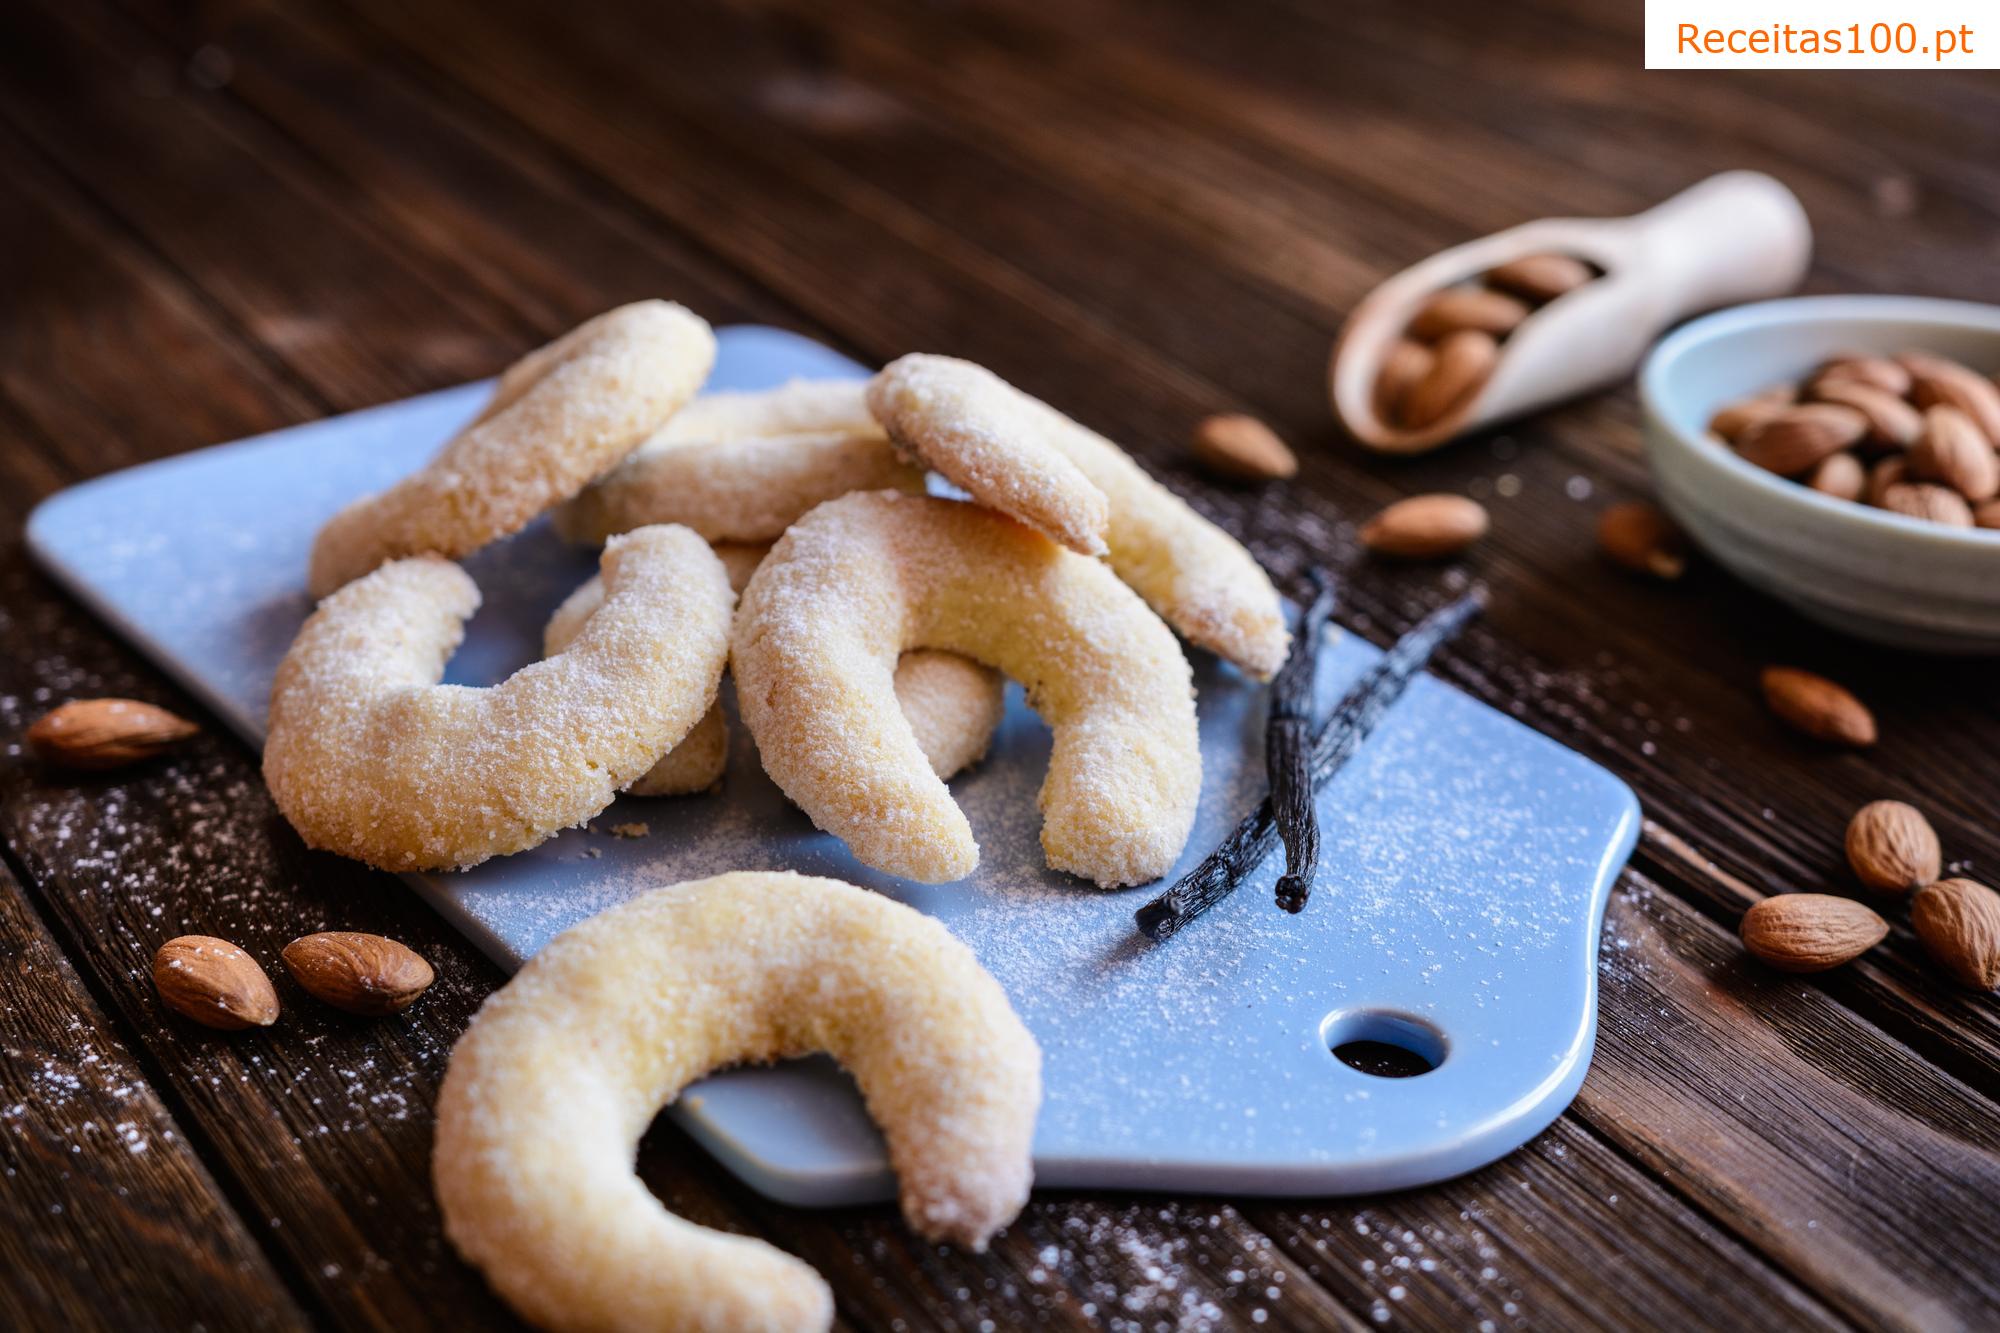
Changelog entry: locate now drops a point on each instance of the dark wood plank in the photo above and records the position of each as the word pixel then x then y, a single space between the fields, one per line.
pixel 97 1170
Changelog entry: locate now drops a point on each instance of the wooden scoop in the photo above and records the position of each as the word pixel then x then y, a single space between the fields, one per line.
pixel 1740 236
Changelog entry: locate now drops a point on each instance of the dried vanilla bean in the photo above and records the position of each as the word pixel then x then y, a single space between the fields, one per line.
pixel 1288 749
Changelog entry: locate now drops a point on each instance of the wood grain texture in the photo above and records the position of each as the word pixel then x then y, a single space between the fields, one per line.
pixel 241 215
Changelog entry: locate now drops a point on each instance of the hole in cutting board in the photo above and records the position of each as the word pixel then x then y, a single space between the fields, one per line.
pixel 1383 1043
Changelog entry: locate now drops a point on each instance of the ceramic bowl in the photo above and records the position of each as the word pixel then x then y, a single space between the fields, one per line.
pixel 1864 571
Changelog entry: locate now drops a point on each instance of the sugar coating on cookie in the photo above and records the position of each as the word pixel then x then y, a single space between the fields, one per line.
pixel 368 755
pixel 865 578
pixel 1199 578
pixel 562 1070
pixel 979 432
pixel 559 418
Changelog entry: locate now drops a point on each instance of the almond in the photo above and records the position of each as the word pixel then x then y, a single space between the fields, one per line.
pixel 1839 475
pixel 1540 278
pixel 1818 707
pixel 1952 451
pixel 1885 473
pixel 1936 380
pixel 1876 372
pixel 1935 504
pixel 1403 366
pixel 106 733
pixel 1243 448
pixel 1462 363
pixel 1891 421
pixel 1458 308
pixel 1810 932
pixel 363 974
pixel 1987 515
pixel 1959 923
pixel 1892 847
pixel 1735 421
pixel 1641 538
pixel 1425 527
pixel 1797 438
pixel 214 983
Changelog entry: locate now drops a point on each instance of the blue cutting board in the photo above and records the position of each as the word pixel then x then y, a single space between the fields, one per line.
pixel 1467 861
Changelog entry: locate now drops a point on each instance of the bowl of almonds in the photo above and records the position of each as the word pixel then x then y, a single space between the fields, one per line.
pixel 1841 453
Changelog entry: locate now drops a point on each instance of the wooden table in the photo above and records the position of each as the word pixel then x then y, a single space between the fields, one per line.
pixel 224 219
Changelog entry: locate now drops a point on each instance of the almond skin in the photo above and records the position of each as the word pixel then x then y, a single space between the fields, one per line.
pixel 1930 502
pixel 106 733
pixel 1640 537
pixel 363 974
pixel 1840 475
pixel 1987 515
pixel 1959 924
pixel 1891 421
pixel 1425 527
pixel 1936 380
pixel 1952 451
pixel 1735 421
pixel 1876 372
pixel 1243 448
pixel 1406 363
pixel 1892 847
pixel 1818 707
pixel 1540 278
pixel 1885 473
pixel 214 983
pixel 1796 439
pixel 1457 308
pixel 1810 932
pixel 1462 363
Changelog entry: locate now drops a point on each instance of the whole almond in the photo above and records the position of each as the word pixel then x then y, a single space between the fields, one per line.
pixel 1959 924
pixel 1987 515
pixel 1457 308
pixel 1641 538
pixel 1840 475
pixel 214 983
pixel 363 974
pixel 1405 363
pixel 1885 473
pixel 1891 421
pixel 1735 421
pixel 1463 362
pixel 1242 448
pixel 106 733
pixel 1892 847
pixel 1796 439
pixel 1818 707
pixel 1952 451
pixel 1425 527
pixel 1936 380
pixel 1877 372
pixel 1810 932
pixel 1933 503
pixel 1540 278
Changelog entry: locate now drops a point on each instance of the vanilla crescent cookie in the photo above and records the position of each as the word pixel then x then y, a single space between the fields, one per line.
pixel 559 418
pixel 1019 455
pixel 741 467
pixel 368 755
pixel 867 577
pixel 563 1069
pixel 953 704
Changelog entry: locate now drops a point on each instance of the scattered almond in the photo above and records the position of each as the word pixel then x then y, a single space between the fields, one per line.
pixel 106 733
pixel 1458 308
pixel 1425 527
pixel 214 983
pixel 1891 421
pixel 1461 364
pixel 1818 707
pixel 1641 538
pixel 1959 924
pixel 1796 439
pixel 1952 450
pixel 1840 476
pixel 1934 504
pixel 1406 363
pixel 1243 448
pixel 1938 380
pixel 1892 847
pixel 1540 278
pixel 1810 932
pixel 363 974
pixel 1876 372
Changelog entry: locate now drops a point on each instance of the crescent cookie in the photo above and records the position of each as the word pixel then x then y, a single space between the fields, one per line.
pixel 368 755
pixel 867 577
pixel 742 466
pixel 563 1069
pixel 953 704
pixel 1199 578
pixel 559 418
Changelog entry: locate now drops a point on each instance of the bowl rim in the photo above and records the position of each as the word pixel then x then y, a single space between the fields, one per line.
pixel 1943 312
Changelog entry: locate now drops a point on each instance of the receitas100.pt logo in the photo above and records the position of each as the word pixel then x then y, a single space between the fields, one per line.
pixel 1823 34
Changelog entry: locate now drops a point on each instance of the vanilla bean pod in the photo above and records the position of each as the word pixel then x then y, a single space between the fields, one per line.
pixel 1349 725
pixel 1288 749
